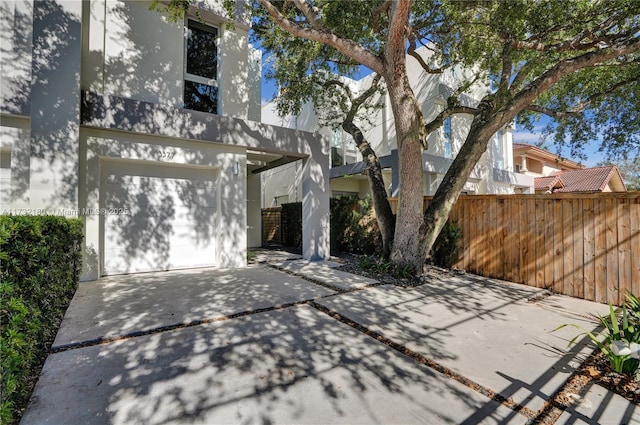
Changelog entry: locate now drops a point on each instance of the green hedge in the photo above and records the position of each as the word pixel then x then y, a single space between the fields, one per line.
pixel 445 249
pixel 40 263
pixel 354 227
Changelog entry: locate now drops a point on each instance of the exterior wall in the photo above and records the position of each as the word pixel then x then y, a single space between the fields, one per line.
pixel 254 84
pixel 129 51
pixel 40 103
pixel 277 184
pixel 548 168
pixel 103 145
pixel 133 53
pixel 351 184
pixel 129 61
pixel 15 144
pixel 16 36
pixel 254 212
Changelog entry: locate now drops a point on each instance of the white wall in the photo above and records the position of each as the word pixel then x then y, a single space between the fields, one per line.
pixel 101 145
pixel 16 45
pixel 15 137
pixel 132 52
pixel 283 181
pixel 254 212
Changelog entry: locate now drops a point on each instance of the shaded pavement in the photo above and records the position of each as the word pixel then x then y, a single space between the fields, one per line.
pixel 260 345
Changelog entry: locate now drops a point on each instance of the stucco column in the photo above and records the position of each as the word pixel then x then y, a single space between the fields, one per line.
pixel 254 212
pixel 315 202
pixel 55 105
pixel 523 169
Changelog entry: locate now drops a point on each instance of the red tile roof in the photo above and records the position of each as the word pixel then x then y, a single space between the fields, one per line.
pixel 582 180
pixel 547 183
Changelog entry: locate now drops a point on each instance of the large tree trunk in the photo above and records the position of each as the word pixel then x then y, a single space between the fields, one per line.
pixel 410 136
pixel 437 213
pixel 373 170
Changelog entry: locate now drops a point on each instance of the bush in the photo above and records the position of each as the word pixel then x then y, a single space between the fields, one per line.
pixel 354 227
pixel 384 266
pixel 291 221
pixel 40 267
pixel 445 248
pixel 621 344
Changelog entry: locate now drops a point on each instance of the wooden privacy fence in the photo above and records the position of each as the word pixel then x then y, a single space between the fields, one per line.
pixel 271 225
pixel 582 245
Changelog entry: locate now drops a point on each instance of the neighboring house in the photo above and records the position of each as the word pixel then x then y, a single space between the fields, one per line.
pixel 584 180
pixel 537 162
pixel 149 130
pixel 494 173
pixel 555 175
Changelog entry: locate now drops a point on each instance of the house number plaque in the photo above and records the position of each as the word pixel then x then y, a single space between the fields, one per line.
pixel 165 154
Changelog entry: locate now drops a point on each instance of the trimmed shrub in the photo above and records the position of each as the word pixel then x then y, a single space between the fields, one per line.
pixel 354 227
pixel 445 248
pixel 291 221
pixel 40 267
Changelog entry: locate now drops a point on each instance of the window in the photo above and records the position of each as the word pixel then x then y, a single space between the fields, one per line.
pixel 201 68
pixel 498 150
pixel 446 131
pixel 337 154
pixel 518 168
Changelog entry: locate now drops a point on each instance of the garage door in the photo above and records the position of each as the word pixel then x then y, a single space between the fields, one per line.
pixel 157 217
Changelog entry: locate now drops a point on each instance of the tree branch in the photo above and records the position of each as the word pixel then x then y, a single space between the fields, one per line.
pixel 580 107
pixel 565 67
pixel 345 46
pixel 575 44
pixel 342 85
pixel 438 121
pixel 396 39
pixel 309 13
pixel 378 11
pixel 507 68
pixel 412 52
pixel 358 101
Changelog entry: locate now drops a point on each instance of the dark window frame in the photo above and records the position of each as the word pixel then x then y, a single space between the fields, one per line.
pixel 201 92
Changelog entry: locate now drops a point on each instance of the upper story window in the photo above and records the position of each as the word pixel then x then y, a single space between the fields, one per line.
pixel 201 68
pixel 337 151
pixel 343 150
pixel 499 150
pixel 448 139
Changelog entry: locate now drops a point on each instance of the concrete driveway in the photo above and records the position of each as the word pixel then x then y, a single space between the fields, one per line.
pixel 312 345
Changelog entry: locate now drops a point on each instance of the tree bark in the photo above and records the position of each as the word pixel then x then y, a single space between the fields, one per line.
pixel 373 170
pixel 409 124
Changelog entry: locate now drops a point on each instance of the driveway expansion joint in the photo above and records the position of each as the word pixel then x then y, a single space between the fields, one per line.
pixel 338 290
pixel 167 328
pixel 507 402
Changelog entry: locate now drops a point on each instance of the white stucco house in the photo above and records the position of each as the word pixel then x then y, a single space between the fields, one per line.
pixel 149 130
pixel 494 172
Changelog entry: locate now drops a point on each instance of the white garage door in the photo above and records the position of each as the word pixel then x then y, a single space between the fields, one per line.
pixel 157 217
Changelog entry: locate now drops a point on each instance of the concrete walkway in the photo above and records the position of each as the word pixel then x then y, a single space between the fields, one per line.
pixel 260 345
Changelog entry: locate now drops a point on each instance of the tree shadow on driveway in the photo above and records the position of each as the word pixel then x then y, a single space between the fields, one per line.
pixel 295 365
pixel 492 333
